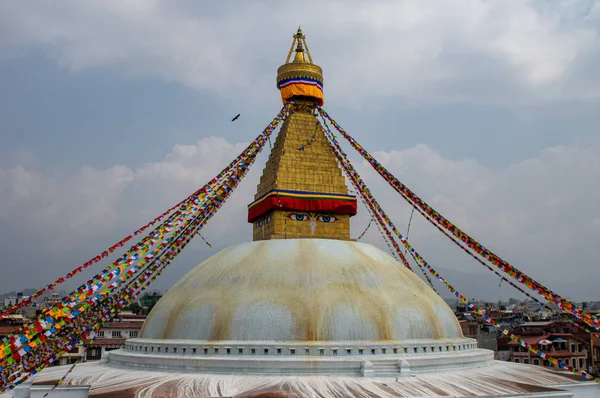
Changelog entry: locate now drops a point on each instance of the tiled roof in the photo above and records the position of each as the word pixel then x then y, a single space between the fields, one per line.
pixel 8 329
pixel 531 340
pixel 107 342
pixel 544 323
pixel 123 325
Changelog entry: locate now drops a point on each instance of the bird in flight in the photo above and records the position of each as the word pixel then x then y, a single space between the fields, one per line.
pixel 235 118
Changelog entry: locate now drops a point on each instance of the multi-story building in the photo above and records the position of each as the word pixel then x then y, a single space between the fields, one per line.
pixel 554 338
pixel 485 335
pixel 10 324
pixel 52 300
pixel 592 345
pixel 113 335
pixel 28 310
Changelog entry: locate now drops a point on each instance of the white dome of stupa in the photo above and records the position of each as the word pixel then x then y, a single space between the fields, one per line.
pixel 301 306
pixel 301 290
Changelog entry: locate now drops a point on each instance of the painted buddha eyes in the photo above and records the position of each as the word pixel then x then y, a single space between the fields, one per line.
pixel 327 219
pixel 298 217
pixel 304 217
pixel 264 221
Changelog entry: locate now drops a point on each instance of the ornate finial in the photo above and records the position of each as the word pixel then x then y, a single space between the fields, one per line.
pixel 300 78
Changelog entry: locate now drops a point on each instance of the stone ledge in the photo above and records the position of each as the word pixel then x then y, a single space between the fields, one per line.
pixel 293 349
pixel 280 364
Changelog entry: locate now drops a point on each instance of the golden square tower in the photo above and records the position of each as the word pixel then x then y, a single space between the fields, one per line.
pixel 302 192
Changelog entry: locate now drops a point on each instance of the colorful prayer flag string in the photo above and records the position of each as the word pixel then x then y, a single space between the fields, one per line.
pixel 422 263
pixel 312 139
pixel 366 229
pixel 502 277
pixel 413 199
pixel 365 193
pixel 208 207
pixel 121 243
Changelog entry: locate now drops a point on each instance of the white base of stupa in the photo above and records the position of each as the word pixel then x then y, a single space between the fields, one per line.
pixel 495 379
pixel 352 358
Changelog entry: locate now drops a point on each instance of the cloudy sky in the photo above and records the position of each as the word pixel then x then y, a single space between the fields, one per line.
pixel 112 111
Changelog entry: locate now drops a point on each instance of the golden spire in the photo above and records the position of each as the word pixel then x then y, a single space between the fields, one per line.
pixel 299 58
pixel 301 77
pixel 302 192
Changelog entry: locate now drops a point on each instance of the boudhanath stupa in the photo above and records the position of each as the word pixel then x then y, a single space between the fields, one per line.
pixel 304 310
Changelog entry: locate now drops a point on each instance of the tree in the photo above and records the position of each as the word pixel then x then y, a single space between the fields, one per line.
pixel 149 308
pixel 135 308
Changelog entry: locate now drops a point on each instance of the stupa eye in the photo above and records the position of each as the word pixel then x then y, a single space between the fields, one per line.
pixel 327 219
pixel 267 219
pixel 259 223
pixel 298 217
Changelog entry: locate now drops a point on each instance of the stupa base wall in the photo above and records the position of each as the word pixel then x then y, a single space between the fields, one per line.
pixel 495 379
pixel 366 359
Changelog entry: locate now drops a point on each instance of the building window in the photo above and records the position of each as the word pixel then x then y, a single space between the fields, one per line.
pixel 152 348
pixel 372 351
pixel 581 363
pixel 334 351
pixel 158 349
pixel 580 347
pixel 101 333
pixel 216 350
pixel 175 349
pixel 395 350
pixel 206 351
pixel 116 333
pixel 166 349
pixel 253 351
pixel 229 351
pixel 307 351
pixel 517 360
pixel 536 361
pixel 266 351
pixel 567 361
pixel 279 351
pixel 292 352
pixel 526 361
pixel 361 351
pixel 133 334
pixel 193 350
pixel 349 352
pixel 321 351
pixel 184 350
pixel 240 351
pixel 573 348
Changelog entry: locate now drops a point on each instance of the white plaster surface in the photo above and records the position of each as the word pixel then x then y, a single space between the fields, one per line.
pixel 497 379
pixel 301 290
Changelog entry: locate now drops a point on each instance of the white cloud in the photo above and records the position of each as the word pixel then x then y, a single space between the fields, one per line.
pixel 64 202
pixel 541 213
pixel 475 50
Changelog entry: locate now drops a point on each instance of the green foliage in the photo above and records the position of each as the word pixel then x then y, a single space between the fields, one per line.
pixel 135 308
